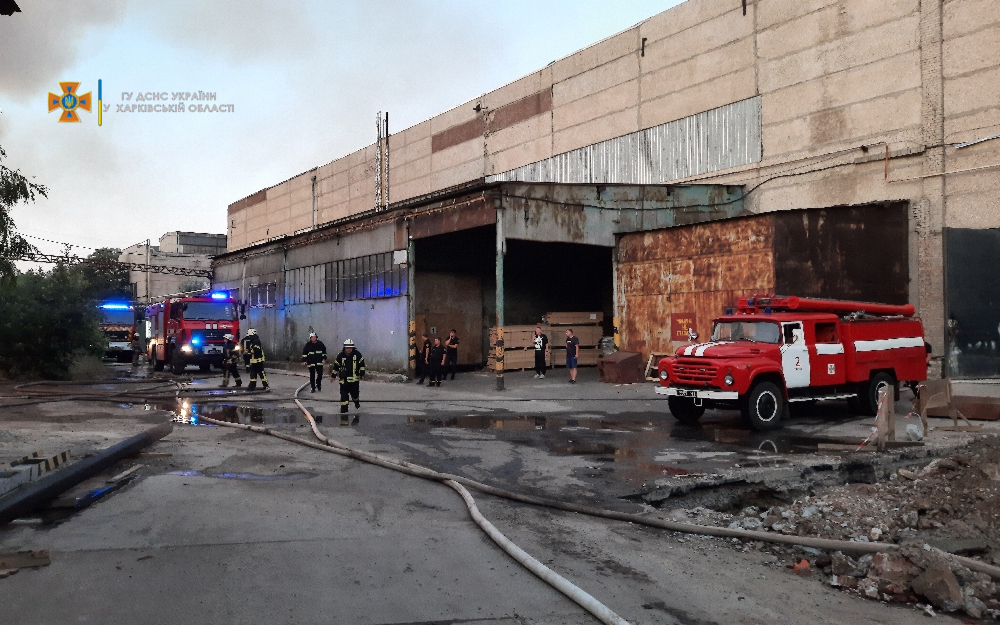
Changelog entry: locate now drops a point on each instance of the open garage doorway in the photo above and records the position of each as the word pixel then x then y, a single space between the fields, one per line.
pixel 455 285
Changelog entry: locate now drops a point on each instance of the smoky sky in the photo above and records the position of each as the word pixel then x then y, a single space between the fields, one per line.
pixel 305 77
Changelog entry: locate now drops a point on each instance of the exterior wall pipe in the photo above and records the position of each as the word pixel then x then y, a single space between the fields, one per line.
pixel 26 499
pixel 411 311
pixel 501 250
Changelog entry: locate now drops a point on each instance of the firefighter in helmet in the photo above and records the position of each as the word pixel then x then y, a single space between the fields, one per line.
pixel 349 366
pixel 314 357
pixel 230 354
pixel 256 352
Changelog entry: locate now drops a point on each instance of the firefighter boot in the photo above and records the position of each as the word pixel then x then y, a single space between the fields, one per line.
pixel 239 382
pixel 252 385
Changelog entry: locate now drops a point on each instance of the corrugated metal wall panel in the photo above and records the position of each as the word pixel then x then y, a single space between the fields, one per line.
pixel 722 138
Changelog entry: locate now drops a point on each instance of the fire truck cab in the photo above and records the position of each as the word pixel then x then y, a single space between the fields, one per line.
pixel 189 331
pixel 118 326
pixel 775 350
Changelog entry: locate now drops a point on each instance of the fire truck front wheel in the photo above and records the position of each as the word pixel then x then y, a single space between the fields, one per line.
pixel 868 394
pixel 684 409
pixel 765 406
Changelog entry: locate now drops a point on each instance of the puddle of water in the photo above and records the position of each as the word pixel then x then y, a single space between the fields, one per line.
pixel 253 477
pixel 191 413
pixel 781 442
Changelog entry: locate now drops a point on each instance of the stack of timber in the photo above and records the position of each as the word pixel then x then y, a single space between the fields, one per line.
pixel 519 346
pixel 586 326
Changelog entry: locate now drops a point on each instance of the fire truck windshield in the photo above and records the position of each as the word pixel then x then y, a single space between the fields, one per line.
pixel 209 311
pixel 757 331
pixel 117 317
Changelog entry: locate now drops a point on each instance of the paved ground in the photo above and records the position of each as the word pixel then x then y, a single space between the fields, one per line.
pixel 233 527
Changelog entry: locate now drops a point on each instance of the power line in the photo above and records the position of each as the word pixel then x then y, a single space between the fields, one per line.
pixel 38 257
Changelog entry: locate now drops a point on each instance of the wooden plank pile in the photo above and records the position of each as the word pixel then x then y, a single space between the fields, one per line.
pixel 519 347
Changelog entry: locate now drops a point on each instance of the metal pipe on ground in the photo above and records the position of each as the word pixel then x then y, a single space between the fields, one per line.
pixel 24 500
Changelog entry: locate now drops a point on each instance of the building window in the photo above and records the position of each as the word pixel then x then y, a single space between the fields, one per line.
pixel 366 277
pixel 262 295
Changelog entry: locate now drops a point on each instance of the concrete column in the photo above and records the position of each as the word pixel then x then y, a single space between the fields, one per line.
pixel 501 250
pixel 929 213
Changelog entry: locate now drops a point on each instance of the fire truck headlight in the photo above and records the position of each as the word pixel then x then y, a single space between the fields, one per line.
pixel 729 380
pixel 663 374
pixel 186 349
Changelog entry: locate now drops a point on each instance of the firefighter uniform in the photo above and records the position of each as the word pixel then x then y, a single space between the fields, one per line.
pixel 230 356
pixel 349 367
pixel 245 344
pixel 314 355
pixel 256 364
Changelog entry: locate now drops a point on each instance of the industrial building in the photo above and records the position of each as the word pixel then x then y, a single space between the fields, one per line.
pixel 830 148
pixel 178 250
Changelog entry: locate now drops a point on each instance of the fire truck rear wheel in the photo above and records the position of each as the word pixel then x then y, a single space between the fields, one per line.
pixel 765 406
pixel 176 366
pixel 869 392
pixel 684 409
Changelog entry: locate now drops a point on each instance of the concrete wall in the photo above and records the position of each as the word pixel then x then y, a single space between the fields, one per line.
pixel 841 83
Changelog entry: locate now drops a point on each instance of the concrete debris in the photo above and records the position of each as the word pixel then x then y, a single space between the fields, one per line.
pixel 948 504
pixel 8 572
pixel 914 432
pixel 939 586
pixel 802 568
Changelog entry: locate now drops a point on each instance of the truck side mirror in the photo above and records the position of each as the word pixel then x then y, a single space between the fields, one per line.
pixel 692 335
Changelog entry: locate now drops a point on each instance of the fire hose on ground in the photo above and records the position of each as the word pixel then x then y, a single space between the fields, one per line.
pixel 457 482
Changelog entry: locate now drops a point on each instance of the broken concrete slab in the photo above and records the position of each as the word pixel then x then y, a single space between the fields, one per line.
pixel 24 559
pixel 939 586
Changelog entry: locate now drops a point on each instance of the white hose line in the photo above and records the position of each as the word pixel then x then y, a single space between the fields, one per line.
pixel 600 611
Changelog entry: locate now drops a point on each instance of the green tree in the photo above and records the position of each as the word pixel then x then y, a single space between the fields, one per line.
pixel 105 277
pixel 46 319
pixel 14 188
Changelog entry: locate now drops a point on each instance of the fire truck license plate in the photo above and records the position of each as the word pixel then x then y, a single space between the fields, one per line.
pixel 213 350
pixel 683 392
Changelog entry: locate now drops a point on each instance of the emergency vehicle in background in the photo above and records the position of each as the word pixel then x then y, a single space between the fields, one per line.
pixel 189 331
pixel 118 325
pixel 773 350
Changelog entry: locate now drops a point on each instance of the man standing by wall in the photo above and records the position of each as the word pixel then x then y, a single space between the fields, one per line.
pixel 350 368
pixel 435 362
pixel 422 362
pixel 314 356
pixel 451 354
pixel 572 352
pixel 541 352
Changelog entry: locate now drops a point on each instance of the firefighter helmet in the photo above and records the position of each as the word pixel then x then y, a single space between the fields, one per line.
pixel 251 332
pixel 312 334
pixel 348 343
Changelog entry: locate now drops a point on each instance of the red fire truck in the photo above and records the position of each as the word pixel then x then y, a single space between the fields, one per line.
pixel 189 331
pixel 773 350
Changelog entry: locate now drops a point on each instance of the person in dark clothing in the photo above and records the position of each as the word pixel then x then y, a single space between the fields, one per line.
pixel 451 353
pixel 256 360
pixel 422 363
pixel 541 343
pixel 435 362
pixel 349 366
pixel 572 352
pixel 314 356
pixel 137 348
pixel 230 356
pixel 245 345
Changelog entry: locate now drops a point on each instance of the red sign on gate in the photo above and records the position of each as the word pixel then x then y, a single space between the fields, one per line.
pixel 679 325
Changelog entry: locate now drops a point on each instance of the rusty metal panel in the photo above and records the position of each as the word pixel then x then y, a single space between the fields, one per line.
pixel 696 270
pixel 855 253
pixel 715 140
pixel 449 301
pixel 443 220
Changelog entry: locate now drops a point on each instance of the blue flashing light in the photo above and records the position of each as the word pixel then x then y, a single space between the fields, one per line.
pixel 220 295
pixel 767 311
pixel 116 306
pixel 196 340
pixel 729 311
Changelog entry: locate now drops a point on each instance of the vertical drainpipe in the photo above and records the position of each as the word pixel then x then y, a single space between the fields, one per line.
pixel 615 295
pixel 313 201
pixel 501 249
pixel 411 305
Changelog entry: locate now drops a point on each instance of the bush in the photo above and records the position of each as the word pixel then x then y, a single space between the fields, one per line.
pixel 46 320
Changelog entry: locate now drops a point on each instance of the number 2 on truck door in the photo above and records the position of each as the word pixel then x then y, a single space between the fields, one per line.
pixel 794 355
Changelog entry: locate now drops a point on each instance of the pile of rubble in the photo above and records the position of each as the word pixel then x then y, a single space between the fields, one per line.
pixel 951 504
